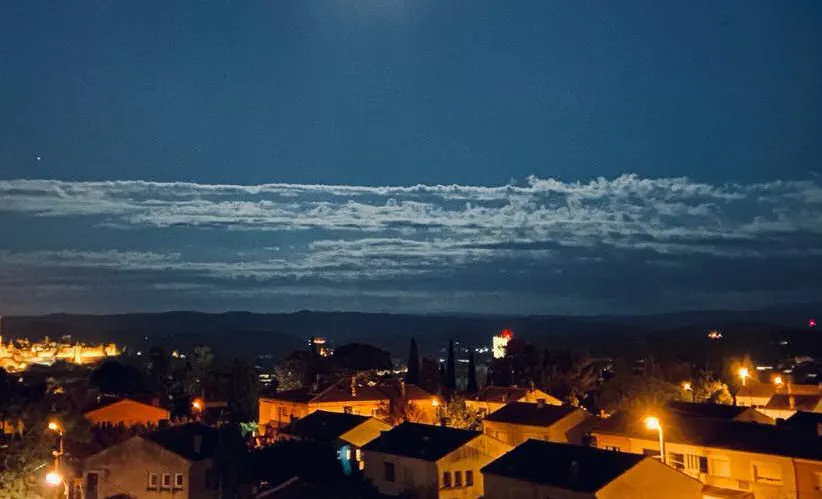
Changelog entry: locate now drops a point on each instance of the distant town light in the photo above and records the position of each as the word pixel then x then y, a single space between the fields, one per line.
pixel 811 322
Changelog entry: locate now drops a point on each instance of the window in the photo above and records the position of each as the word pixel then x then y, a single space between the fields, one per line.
pixel 676 460
pixel 389 472
pixel 446 480
pixel 767 473
pixel 703 464
pixel 153 481
pixel 348 409
pixel 166 480
pixel 613 448
pixel 92 481
pixel 458 479
pixel 358 454
pixel 469 478
pixel 720 466
pixel 178 481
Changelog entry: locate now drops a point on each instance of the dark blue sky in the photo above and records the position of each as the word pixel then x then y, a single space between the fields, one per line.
pixel 398 93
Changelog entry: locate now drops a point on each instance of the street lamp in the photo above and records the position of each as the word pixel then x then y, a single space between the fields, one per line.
pixel 778 381
pixel 652 423
pixel 54 478
pixel 686 385
pixel 743 374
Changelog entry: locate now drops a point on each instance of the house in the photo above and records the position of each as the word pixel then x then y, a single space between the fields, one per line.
pixel 783 405
pixel 810 422
pixel 430 461
pixel 718 411
pixel 756 394
pixel 491 398
pixel 127 412
pixel 730 456
pixel 346 433
pixel 517 422
pixel 349 395
pixel 174 462
pixel 539 470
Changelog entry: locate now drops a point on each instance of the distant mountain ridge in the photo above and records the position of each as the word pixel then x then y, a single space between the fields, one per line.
pixel 247 333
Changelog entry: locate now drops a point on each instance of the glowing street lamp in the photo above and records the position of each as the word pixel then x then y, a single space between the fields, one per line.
pixel 435 402
pixel 744 374
pixel 197 405
pixel 686 385
pixel 652 423
pixel 778 381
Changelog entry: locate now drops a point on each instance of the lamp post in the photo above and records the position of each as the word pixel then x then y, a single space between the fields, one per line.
pixel 744 374
pixel 686 385
pixel 54 478
pixel 652 423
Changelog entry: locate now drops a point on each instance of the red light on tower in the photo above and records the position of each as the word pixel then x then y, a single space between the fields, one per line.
pixel 507 334
pixel 811 322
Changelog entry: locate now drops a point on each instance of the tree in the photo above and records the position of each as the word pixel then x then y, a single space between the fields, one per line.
pixel 289 374
pixel 451 368
pixel 400 410
pixel 355 357
pixel 471 386
pixel 708 389
pixel 413 374
pixel 159 370
pixel 568 376
pixel 635 393
pixel 430 379
pixel 115 378
pixel 243 390
pixel 459 415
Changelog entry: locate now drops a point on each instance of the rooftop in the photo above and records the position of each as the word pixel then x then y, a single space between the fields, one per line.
pixel 565 466
pixel 777 440
pixel 799 402
pixel 531 414
pixel 713 411
pixel 324 426
pixel 501 393
pixel 193 441
pixel 421 441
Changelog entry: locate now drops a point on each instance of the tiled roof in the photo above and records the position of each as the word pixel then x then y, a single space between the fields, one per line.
pixel 322 426
pixel 565 466
pixel 393 390
pixel 531 414
pixel 777 440
pixel 339 391
pixel 800 402
pixel 501 394
pixel 193 441
pixel 713 411
pixel 421 441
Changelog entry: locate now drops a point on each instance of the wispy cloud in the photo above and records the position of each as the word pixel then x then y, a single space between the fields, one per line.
pixel 381 239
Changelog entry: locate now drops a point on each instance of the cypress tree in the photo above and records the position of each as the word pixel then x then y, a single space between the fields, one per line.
pixel 472 387
pixel 413 374
pixel 451 368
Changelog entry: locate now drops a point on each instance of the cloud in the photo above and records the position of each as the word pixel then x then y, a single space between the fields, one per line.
pixel 375 242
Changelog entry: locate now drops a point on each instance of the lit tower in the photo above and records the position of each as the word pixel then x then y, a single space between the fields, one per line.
pixel 500 342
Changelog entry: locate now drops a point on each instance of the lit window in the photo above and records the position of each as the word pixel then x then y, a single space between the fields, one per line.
pixel 348 454
pixel 358 454
pixel 166 480
pixel 676 460
pixel 348 409
pixel 767 473
pixel 153 481
pixel 178 481
pixel 446 480
pixel 458 479
pixel 389 471
pixel 469 478
pixel 720 466
pixel 613 448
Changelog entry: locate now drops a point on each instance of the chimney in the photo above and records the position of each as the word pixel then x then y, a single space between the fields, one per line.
pixel 353 386
pixel 316 386
pixel 540 403
pixel 198 443
pixel 402 389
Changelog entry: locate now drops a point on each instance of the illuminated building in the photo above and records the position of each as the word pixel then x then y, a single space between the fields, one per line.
pixel 499 343
pixel 17 355
pixel 317 344
pixel 714 335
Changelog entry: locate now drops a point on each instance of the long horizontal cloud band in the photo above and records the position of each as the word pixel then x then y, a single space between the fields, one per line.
pixel 575 242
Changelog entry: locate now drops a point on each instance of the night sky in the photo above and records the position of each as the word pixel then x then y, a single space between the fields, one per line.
pixel 410 155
